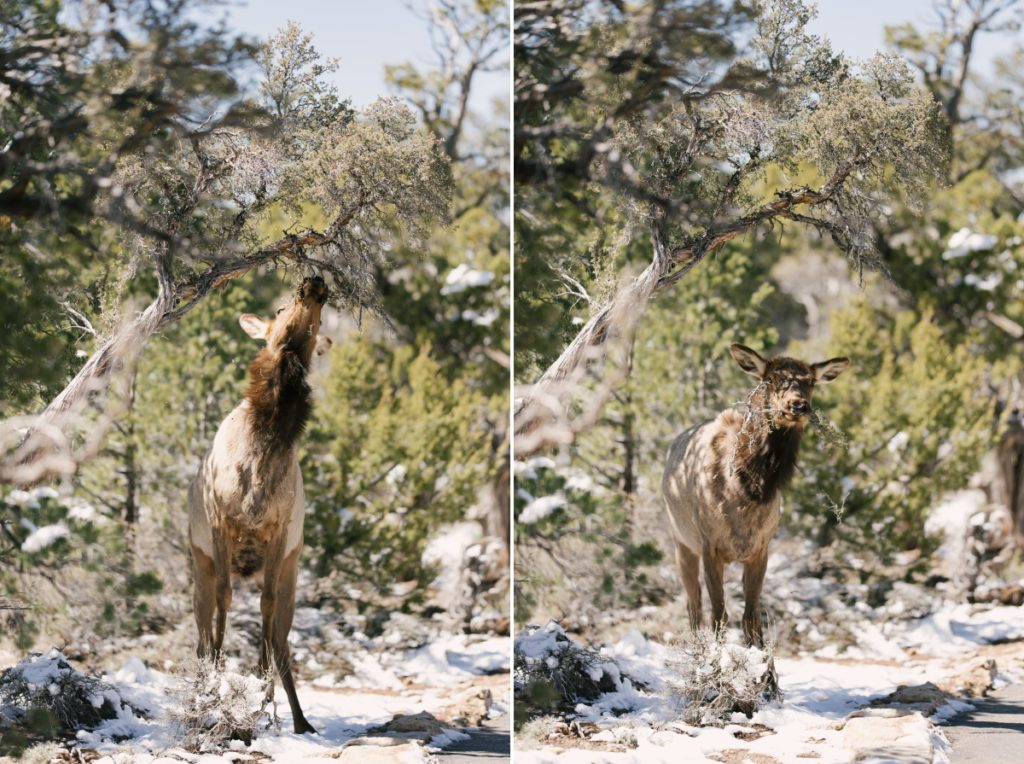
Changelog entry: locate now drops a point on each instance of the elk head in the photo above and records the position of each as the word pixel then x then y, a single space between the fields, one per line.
pixel 296 327
pixel 788 383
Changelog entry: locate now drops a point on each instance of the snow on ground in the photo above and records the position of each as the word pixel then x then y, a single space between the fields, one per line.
pixel 337 715
pixel 641 719
pixel 404 681
pixel 446 550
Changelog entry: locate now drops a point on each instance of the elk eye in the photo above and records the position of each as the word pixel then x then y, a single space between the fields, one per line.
pixel 280 311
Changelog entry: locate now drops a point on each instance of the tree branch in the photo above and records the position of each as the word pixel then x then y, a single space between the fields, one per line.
pixel 541 414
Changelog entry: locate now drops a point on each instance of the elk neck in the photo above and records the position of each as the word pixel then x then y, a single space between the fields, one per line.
pixel 280 399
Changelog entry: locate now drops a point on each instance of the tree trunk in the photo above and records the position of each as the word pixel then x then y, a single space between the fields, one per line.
pixel 1011 475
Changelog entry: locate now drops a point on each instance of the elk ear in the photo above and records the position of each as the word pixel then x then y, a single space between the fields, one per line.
pixel 748 360
pixel 828 370
pixel 323 344
pixel 253 325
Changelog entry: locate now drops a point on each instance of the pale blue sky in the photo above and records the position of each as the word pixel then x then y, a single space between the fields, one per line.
pixel 856 27
pixel 364 35
pixel 367 35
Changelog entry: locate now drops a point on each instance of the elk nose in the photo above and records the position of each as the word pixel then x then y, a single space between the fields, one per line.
pixel 800 407
pixel 314 287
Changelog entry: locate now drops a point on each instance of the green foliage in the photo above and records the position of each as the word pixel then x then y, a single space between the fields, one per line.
pixel 44 535
pixel 395 451
pixel 917 421
pixel 36 348
pixel 558 508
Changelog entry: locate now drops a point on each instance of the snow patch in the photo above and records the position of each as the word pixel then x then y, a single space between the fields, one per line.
pixel 463 277
pixel 44 537
pixel 540 508
pixel 965 241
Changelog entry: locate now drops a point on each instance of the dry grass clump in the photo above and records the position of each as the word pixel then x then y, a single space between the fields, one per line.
pixel 215 706
pixel 717 678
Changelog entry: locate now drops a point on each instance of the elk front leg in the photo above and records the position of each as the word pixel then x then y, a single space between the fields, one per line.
pixel 277 605
pixel 689 571
pixel 753 581
pixel 203 575
pixel 272 562
pixel 222 588
pixel 282 625
pixel 714 569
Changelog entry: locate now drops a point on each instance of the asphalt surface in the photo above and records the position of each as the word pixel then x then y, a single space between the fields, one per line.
pixel 991 734
pixel 488 743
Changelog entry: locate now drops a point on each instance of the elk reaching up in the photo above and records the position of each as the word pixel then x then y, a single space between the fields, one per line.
pixel 722 481
pixel 246 505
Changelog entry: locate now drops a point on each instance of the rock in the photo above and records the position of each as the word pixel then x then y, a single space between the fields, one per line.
pixel 926 698
pixel 403 631
pixel 889 734
pixel 742 756
pixel 421 726
pixel 1001 592
pixel 973 682
pixel 403 730
pixel 481 602
pixel 470 708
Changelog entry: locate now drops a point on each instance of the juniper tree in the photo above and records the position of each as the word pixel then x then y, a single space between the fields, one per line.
pixel 221 169
pixel 430 400
pixel 653 121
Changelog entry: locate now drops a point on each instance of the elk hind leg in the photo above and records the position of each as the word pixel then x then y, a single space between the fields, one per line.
pixel 688 563
pixel 753 581
pixel 203 581
pixel 714 570
pixel 277 605
pixel 222 588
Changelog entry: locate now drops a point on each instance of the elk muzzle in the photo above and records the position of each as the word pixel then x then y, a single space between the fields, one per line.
pixel 800 408
pixel 313 288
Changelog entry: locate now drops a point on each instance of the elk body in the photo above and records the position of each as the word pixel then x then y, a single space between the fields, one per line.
pixel 246 504
pixel 722 481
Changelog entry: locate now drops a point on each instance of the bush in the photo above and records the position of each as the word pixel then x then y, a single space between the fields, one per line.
pixel 554 502
pixel 45 698
pixel 63 554
pixel 551 672
pixel 395 451
pixel 916 418
pixel 718 677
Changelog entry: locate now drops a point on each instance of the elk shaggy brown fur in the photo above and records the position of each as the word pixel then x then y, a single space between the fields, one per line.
pixel 246 504
pixel 723 479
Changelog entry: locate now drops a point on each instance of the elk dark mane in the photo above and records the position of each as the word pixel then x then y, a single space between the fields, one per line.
pixel 765 462
pixel 280 399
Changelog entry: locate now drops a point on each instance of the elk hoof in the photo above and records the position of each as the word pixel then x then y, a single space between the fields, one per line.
pixel 302 727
